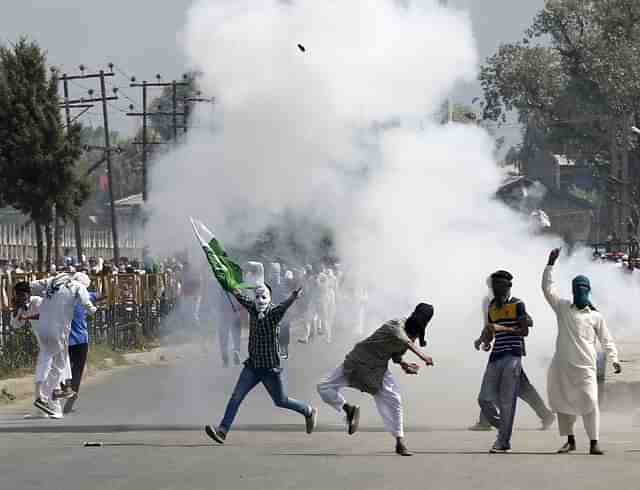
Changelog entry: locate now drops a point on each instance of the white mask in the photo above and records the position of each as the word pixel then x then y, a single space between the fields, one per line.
pixel 262 298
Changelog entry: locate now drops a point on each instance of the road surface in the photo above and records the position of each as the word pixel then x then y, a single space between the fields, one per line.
pixel 150 421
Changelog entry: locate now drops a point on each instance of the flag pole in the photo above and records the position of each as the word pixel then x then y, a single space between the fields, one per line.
pixel 202 242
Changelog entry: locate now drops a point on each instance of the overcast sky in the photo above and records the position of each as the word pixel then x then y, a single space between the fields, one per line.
pixel 140 37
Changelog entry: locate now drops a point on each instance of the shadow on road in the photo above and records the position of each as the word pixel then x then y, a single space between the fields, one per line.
pixel 326 454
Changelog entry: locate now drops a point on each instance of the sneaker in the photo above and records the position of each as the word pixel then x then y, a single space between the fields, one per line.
pixel 215 433
pixel 311 420
pixel 353 418
pixel 480 427
pixel 402 450
pixel 236 358
pixel 496 449
pixel 303 341
pixel 56 406
pixel 548 421
pixel 44 406
pixel 567 448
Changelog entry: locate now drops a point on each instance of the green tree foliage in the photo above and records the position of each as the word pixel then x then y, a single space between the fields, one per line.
pixel 37 156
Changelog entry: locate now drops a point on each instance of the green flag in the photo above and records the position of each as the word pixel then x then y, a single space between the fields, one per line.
pixel 228 273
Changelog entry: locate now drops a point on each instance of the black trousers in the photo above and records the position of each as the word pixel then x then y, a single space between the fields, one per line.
pixel 78 359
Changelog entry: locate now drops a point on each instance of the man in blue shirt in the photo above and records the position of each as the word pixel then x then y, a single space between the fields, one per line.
pixel 78 343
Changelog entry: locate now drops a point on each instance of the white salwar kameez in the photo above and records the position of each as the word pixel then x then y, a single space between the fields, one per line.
pixel 56 313
pixel 388 399
pixel 572 381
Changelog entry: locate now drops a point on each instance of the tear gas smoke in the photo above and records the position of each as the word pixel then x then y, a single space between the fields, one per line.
pixel 342 134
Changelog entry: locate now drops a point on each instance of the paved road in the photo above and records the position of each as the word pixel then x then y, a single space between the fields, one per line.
pixel 150 419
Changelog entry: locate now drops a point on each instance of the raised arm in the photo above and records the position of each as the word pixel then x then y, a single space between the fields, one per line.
pixel 548 287
pixel 245 301
pixel 279 310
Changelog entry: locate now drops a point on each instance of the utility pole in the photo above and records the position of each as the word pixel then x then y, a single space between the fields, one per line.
pixel 107 144
pixel 188 100
pixel 145 115
pixel 174 103
pixel 104 99
pixel 67 110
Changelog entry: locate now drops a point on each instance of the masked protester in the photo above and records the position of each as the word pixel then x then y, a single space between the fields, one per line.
pixel 310 305
pixel 507 322
pixel 366 368
pixel 263 365
pixel 572 381
pixel 59 294
pixel 527 391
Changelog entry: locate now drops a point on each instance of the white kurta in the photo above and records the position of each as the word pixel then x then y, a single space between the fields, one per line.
pixel 572 382
pixel 61 294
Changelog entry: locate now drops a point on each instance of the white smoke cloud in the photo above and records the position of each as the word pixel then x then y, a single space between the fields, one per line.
pixel 292 128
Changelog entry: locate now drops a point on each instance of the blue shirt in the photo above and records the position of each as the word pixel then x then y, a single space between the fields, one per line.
pixel 79 333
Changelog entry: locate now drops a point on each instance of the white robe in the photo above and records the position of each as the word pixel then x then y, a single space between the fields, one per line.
pixel 60 295
pixel 572 381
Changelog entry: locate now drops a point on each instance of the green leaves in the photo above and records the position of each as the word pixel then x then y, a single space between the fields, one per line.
pixel 37 158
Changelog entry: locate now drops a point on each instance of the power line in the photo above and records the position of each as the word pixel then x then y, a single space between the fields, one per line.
pixel 122 72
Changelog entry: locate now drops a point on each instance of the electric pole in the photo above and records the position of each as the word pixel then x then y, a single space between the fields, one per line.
pixel 67 110
pixel 104 99
pixel 173 113
pixel 189 100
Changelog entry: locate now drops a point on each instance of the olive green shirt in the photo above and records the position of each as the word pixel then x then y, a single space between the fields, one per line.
pixel 365 366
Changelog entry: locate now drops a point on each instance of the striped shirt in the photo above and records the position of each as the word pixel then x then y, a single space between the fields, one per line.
pixel 508 315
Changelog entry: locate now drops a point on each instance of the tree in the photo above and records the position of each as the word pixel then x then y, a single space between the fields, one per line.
pixel 578 90
pixel 164 103
pixel 36 156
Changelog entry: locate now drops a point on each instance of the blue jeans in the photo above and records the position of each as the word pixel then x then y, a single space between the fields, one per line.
pixel 499 394
pixel 272 381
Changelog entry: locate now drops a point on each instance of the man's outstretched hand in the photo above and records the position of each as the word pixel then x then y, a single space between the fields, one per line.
pixel 410 367
pixel 297 293
pixel 553 256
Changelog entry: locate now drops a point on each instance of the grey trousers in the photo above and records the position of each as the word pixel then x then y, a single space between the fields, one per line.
pixel 530 396
pixel 499 394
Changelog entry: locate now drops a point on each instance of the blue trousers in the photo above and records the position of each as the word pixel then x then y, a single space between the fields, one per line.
pixel 272 381
pixel 499 394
